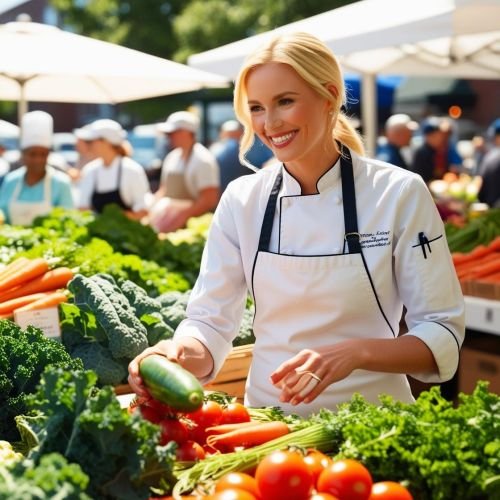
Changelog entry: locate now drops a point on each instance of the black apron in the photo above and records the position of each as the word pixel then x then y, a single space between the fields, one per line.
pixel 100 200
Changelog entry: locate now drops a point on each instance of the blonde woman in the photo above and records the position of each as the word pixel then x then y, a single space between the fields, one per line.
pixel 329 243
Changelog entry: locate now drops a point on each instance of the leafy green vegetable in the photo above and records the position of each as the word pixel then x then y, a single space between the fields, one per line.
pixel 23 356
pixel 53 478
pixel 126 335
pixel 118 451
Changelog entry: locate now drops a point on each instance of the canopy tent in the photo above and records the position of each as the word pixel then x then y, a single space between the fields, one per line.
pixel 44 63
pixel 459 38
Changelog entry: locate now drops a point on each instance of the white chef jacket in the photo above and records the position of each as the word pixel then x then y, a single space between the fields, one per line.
pixel 394 206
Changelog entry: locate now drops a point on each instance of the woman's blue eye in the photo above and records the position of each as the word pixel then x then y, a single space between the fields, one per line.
pixel 285 100
pixel 255 108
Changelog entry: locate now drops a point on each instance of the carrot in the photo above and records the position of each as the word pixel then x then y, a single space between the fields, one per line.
pixel 248 436
pixel 13 266
pixel 471 267
pixel 6 316
pixel 489 268
pixel 225 428
pixel 29 271
pixel 50 300
pixel 492 278
pixel 51 280
pixel 9 305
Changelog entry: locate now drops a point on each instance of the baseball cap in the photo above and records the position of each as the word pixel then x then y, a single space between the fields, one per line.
pixel 106 129
pixel 231 126
pixel 495 127
pixel 431 125
pixel 180 120
pixel 401 119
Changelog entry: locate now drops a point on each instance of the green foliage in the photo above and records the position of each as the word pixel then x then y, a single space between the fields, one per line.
pixel 245 334
pixel 126 334
pixel 442 452
pixel 23 356
pixel 117 451
pixel 52 478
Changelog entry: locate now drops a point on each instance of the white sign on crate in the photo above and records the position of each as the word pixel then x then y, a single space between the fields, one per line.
pixel 45 319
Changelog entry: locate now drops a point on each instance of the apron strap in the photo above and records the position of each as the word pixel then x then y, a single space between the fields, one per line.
pixel 267 223
pixel 349 197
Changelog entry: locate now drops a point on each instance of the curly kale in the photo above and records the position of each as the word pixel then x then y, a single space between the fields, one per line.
pixel 139 299
pixel 24 354
pixel 246 335
pixel 119 452
pixel 99 359
pixel 176 312
pixel 127 336
pixel 52 478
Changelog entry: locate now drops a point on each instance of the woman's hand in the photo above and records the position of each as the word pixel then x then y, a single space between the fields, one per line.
pixel 305 376
pixel 168 348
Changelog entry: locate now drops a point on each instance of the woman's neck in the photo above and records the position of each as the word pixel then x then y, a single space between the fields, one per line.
pixel 33 176
pixel 308 172
pixel 108 157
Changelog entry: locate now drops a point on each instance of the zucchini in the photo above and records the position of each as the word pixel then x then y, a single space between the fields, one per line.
pixel 171 384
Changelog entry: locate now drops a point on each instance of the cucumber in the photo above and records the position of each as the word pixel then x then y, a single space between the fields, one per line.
pixel 171 384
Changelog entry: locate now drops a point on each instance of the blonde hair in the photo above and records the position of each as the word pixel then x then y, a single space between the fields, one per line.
pixel 315 63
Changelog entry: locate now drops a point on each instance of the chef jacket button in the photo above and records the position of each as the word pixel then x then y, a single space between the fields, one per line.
pixel 338 200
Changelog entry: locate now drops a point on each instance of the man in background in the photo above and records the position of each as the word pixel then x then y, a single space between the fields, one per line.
pixel 226 151
pixel 489 170
pixel 399 130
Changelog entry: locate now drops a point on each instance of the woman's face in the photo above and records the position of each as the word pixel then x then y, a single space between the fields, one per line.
pixel 287 115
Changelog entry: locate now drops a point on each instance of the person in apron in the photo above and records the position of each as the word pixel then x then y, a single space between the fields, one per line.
pixel 330 245
pixel 113 177
pixel 190 177
pixel 35 188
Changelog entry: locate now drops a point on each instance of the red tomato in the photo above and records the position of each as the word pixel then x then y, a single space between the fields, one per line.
pixel 190 451
pixel 284 474
pixel 322 496
pixel 238 480
pixel 234 413
pixel 208 415
pixel 173 430
pixel 232 494
pixel 346 479
pixel 389 490
pixel 316 462
pixel 151 414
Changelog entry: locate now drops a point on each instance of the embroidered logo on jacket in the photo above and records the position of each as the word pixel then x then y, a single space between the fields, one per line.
pixel 377 239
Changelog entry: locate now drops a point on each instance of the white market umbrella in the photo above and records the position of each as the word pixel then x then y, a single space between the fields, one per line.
pixel 43 63
pixel 459 38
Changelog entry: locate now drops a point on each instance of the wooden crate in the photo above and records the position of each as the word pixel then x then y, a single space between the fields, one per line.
pixel 233 374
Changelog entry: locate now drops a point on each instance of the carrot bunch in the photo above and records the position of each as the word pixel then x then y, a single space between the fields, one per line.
pixel 29 284
pixel 481 263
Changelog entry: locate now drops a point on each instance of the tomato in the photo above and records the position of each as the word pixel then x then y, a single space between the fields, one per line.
pixel 151 414
pixel 284 474
pixel 389 490
pixel 190 451
pixel 208 415
pixel 232 494
pixel 316 462
pixel 173 430
pixel 234 413
pixel 322 496
pixel 238 480
pixel 346 479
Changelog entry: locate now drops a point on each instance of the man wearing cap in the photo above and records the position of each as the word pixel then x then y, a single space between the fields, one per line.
pixel 189 185
pixel 429 161
pixel 489 170
pixel 399 129
pixel 112 178
pixel 35 188
pixel 226 151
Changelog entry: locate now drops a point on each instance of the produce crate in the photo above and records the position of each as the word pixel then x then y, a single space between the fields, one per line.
pixel 477 365
pixel 233 374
